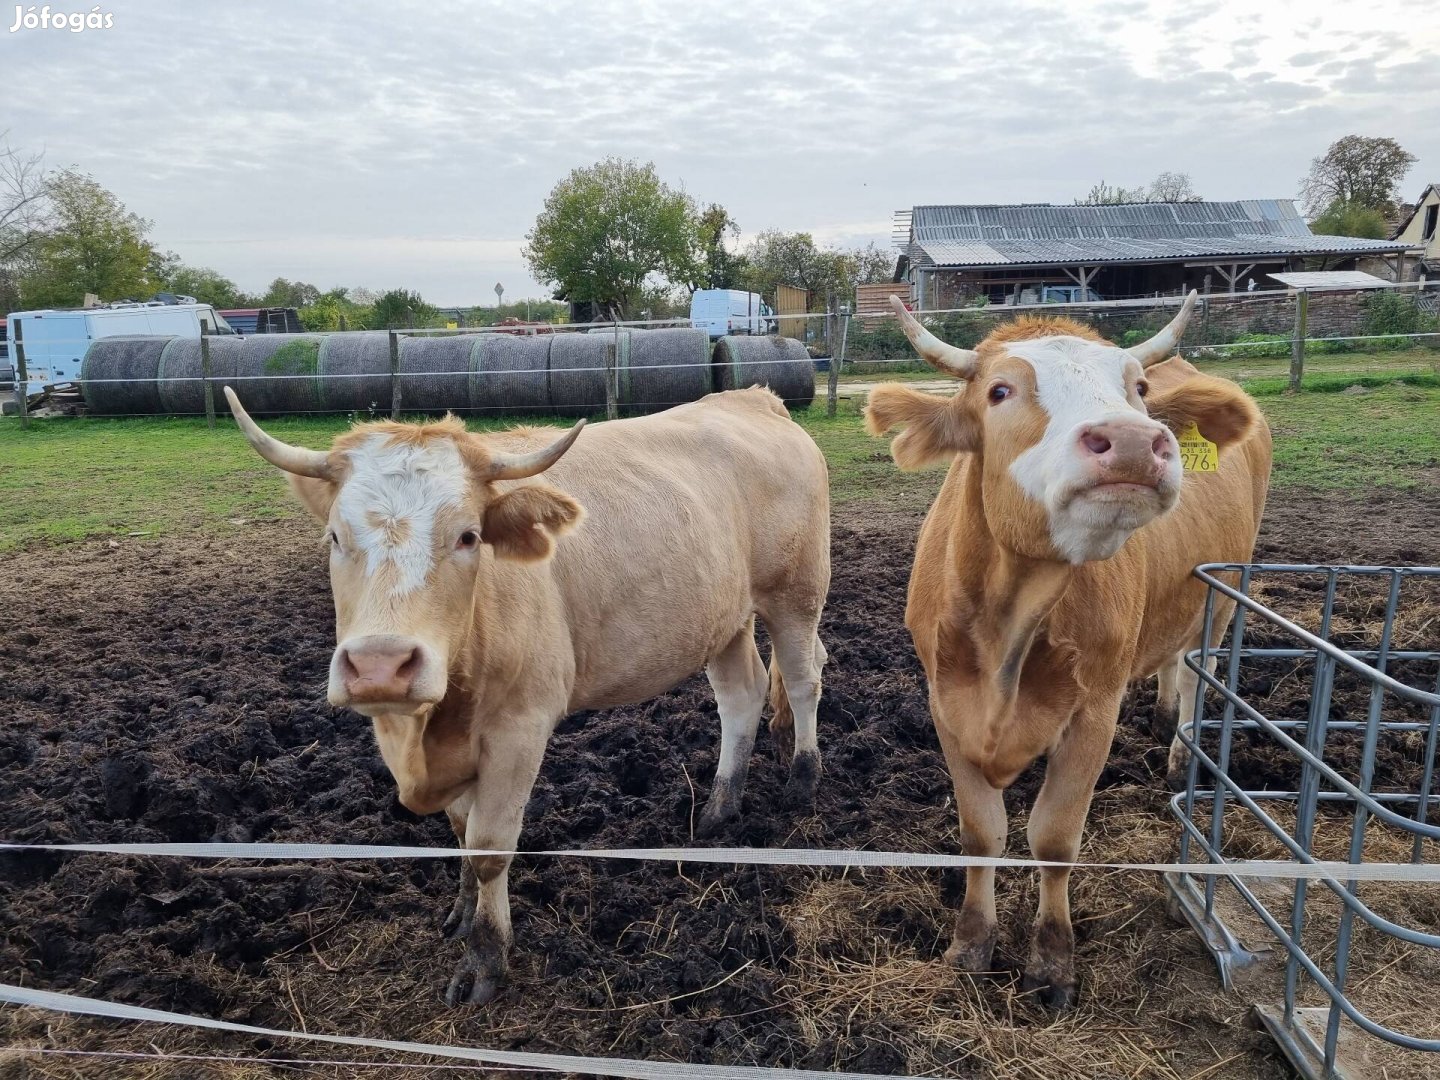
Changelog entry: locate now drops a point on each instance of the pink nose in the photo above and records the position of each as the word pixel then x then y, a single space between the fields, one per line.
pixel 1138 450
pixel 379 669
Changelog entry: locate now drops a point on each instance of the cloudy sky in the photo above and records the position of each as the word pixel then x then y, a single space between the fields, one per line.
pixel 408 144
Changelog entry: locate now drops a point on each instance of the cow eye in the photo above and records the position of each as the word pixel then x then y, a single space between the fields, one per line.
pixel 1142 388
pixel 331 536
pixel 468 539
pixel 999 392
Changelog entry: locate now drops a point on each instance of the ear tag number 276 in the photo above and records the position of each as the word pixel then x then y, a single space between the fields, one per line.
pixel 1197 453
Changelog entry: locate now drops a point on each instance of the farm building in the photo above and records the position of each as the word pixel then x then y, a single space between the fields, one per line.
pixel 952 255
pixel 1422 230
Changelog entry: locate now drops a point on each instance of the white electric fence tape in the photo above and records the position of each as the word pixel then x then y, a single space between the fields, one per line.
pixel 1250 868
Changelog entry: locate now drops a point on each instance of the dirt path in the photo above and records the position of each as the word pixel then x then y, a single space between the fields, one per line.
pixel 174 691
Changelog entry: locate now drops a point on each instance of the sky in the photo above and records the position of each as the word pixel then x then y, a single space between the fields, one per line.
pixel 411 145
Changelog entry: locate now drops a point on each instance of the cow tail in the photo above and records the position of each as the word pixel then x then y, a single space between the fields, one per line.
pixel 782 718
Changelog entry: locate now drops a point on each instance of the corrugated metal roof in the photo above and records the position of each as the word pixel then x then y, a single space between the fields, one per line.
pixel 1042 234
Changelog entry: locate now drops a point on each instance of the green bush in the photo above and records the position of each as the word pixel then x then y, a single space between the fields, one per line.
pixel 295 358
pixel 1388 313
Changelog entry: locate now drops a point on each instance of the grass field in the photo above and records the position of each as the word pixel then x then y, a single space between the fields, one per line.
pixel 71 479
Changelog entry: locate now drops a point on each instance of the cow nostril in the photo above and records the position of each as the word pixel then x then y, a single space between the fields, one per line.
pixel 1161 446
pixel 411 665
pixel 347 666
pixel 1095 442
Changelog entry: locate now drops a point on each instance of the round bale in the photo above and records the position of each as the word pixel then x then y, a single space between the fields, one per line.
pixel 662 368
pixel 509 373
pixel 782 364
pixel 577 372
pixel 182 385
pixel 279 373
pixel 117 376
pixel 356 369
pixel 435 373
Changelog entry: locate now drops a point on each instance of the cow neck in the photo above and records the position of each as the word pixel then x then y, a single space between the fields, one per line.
pixel 1007 599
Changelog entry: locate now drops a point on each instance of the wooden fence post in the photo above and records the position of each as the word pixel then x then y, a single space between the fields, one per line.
pixel 837 358
pixel 395 393
pixel 612 395
pixel 1297 346
pixel 205 374
pixel 22 376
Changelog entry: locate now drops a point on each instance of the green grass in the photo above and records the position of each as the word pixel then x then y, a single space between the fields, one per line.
pixel 67 479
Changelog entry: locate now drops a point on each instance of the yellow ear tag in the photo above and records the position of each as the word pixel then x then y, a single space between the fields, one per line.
pixel 1197 453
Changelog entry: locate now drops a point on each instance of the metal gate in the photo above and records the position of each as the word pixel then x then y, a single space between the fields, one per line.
pixel 1303 779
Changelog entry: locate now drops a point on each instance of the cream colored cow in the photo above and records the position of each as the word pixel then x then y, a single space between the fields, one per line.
pixel 1054 568
pixel 474 610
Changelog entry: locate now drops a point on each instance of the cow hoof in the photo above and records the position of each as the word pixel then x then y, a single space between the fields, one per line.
pixel 461 919
pixel 474 983
pixel 804 781
pixel 1054 992
pixel 714 820
pixel 973 947
pixel 1162 726
pixel 1177 771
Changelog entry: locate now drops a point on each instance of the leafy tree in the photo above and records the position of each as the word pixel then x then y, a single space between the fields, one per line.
pixel 206 285
pixel 722 269
pixel 93 245
pixel 1342 218
pixel 780 258
pixel 282 293
pixel 1356 171
pixel 338 310
pixel 401 310
pixel 608 229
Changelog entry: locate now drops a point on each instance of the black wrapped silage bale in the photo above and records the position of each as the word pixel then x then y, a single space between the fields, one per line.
pixel 577 372
pixel 356 370
pixel 782 364
pixel 277 374
pixel 135 360
pixel 663 368
pixel 509 373
pixel 435 373
pixel 182 387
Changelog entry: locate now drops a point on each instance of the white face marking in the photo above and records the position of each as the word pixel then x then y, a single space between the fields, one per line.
pixel 390 501
pixel 1078 383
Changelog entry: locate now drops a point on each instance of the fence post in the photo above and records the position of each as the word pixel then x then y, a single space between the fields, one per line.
pixel 394 375
pixel 612 404
pixel 1297 346
pixel 837 358
pixel 22 377
pixel 205 374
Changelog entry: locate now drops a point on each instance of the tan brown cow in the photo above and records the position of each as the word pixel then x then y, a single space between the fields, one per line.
pixel 1054 568
pixel 472 614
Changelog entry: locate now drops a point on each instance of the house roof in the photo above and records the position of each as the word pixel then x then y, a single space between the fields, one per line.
pixel 1041 234
pixel 1419 205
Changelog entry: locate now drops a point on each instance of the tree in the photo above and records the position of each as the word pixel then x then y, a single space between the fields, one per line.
pixel 722 268
pixel 401 310
pixel 607 230
pixel 205 285
pixel 1356 171
pixel 282 293
pixel 1166 188
pixel 93 245
pixel 1351 219
pixel 780 258
pixel 24 216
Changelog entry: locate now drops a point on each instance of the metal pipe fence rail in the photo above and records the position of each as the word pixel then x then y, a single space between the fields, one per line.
pixel 1366 686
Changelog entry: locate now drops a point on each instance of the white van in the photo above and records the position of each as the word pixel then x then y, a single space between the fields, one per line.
pixel 730 311
pixel 55 341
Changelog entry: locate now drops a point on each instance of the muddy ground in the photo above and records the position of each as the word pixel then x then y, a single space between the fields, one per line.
pixel 173 691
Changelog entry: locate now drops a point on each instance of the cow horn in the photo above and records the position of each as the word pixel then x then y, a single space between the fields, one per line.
pixel 1162 346
pixel 518 466
pixel 942 357
pixel 292 459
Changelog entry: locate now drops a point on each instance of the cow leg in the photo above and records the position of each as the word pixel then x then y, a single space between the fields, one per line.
pixel 509 760
pixel 1056 823
pixel 1178 766
pixel 982 831
pixel 798 658
pixel 1162 722
pixel 737 675
pixel 461 918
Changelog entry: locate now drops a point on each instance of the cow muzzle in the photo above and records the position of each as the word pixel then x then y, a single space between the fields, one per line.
pixel 385 673
pixel 1124 453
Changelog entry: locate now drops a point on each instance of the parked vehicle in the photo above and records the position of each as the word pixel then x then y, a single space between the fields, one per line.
pixel 731 311
pixel 55 340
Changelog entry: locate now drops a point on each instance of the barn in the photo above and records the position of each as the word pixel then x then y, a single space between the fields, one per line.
pixel 1420 229
pixel 1032 252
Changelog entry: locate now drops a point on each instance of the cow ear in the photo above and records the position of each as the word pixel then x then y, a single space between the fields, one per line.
pixel 1223 412
pixel 936 428
pixel 523 524
pixel 317 495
